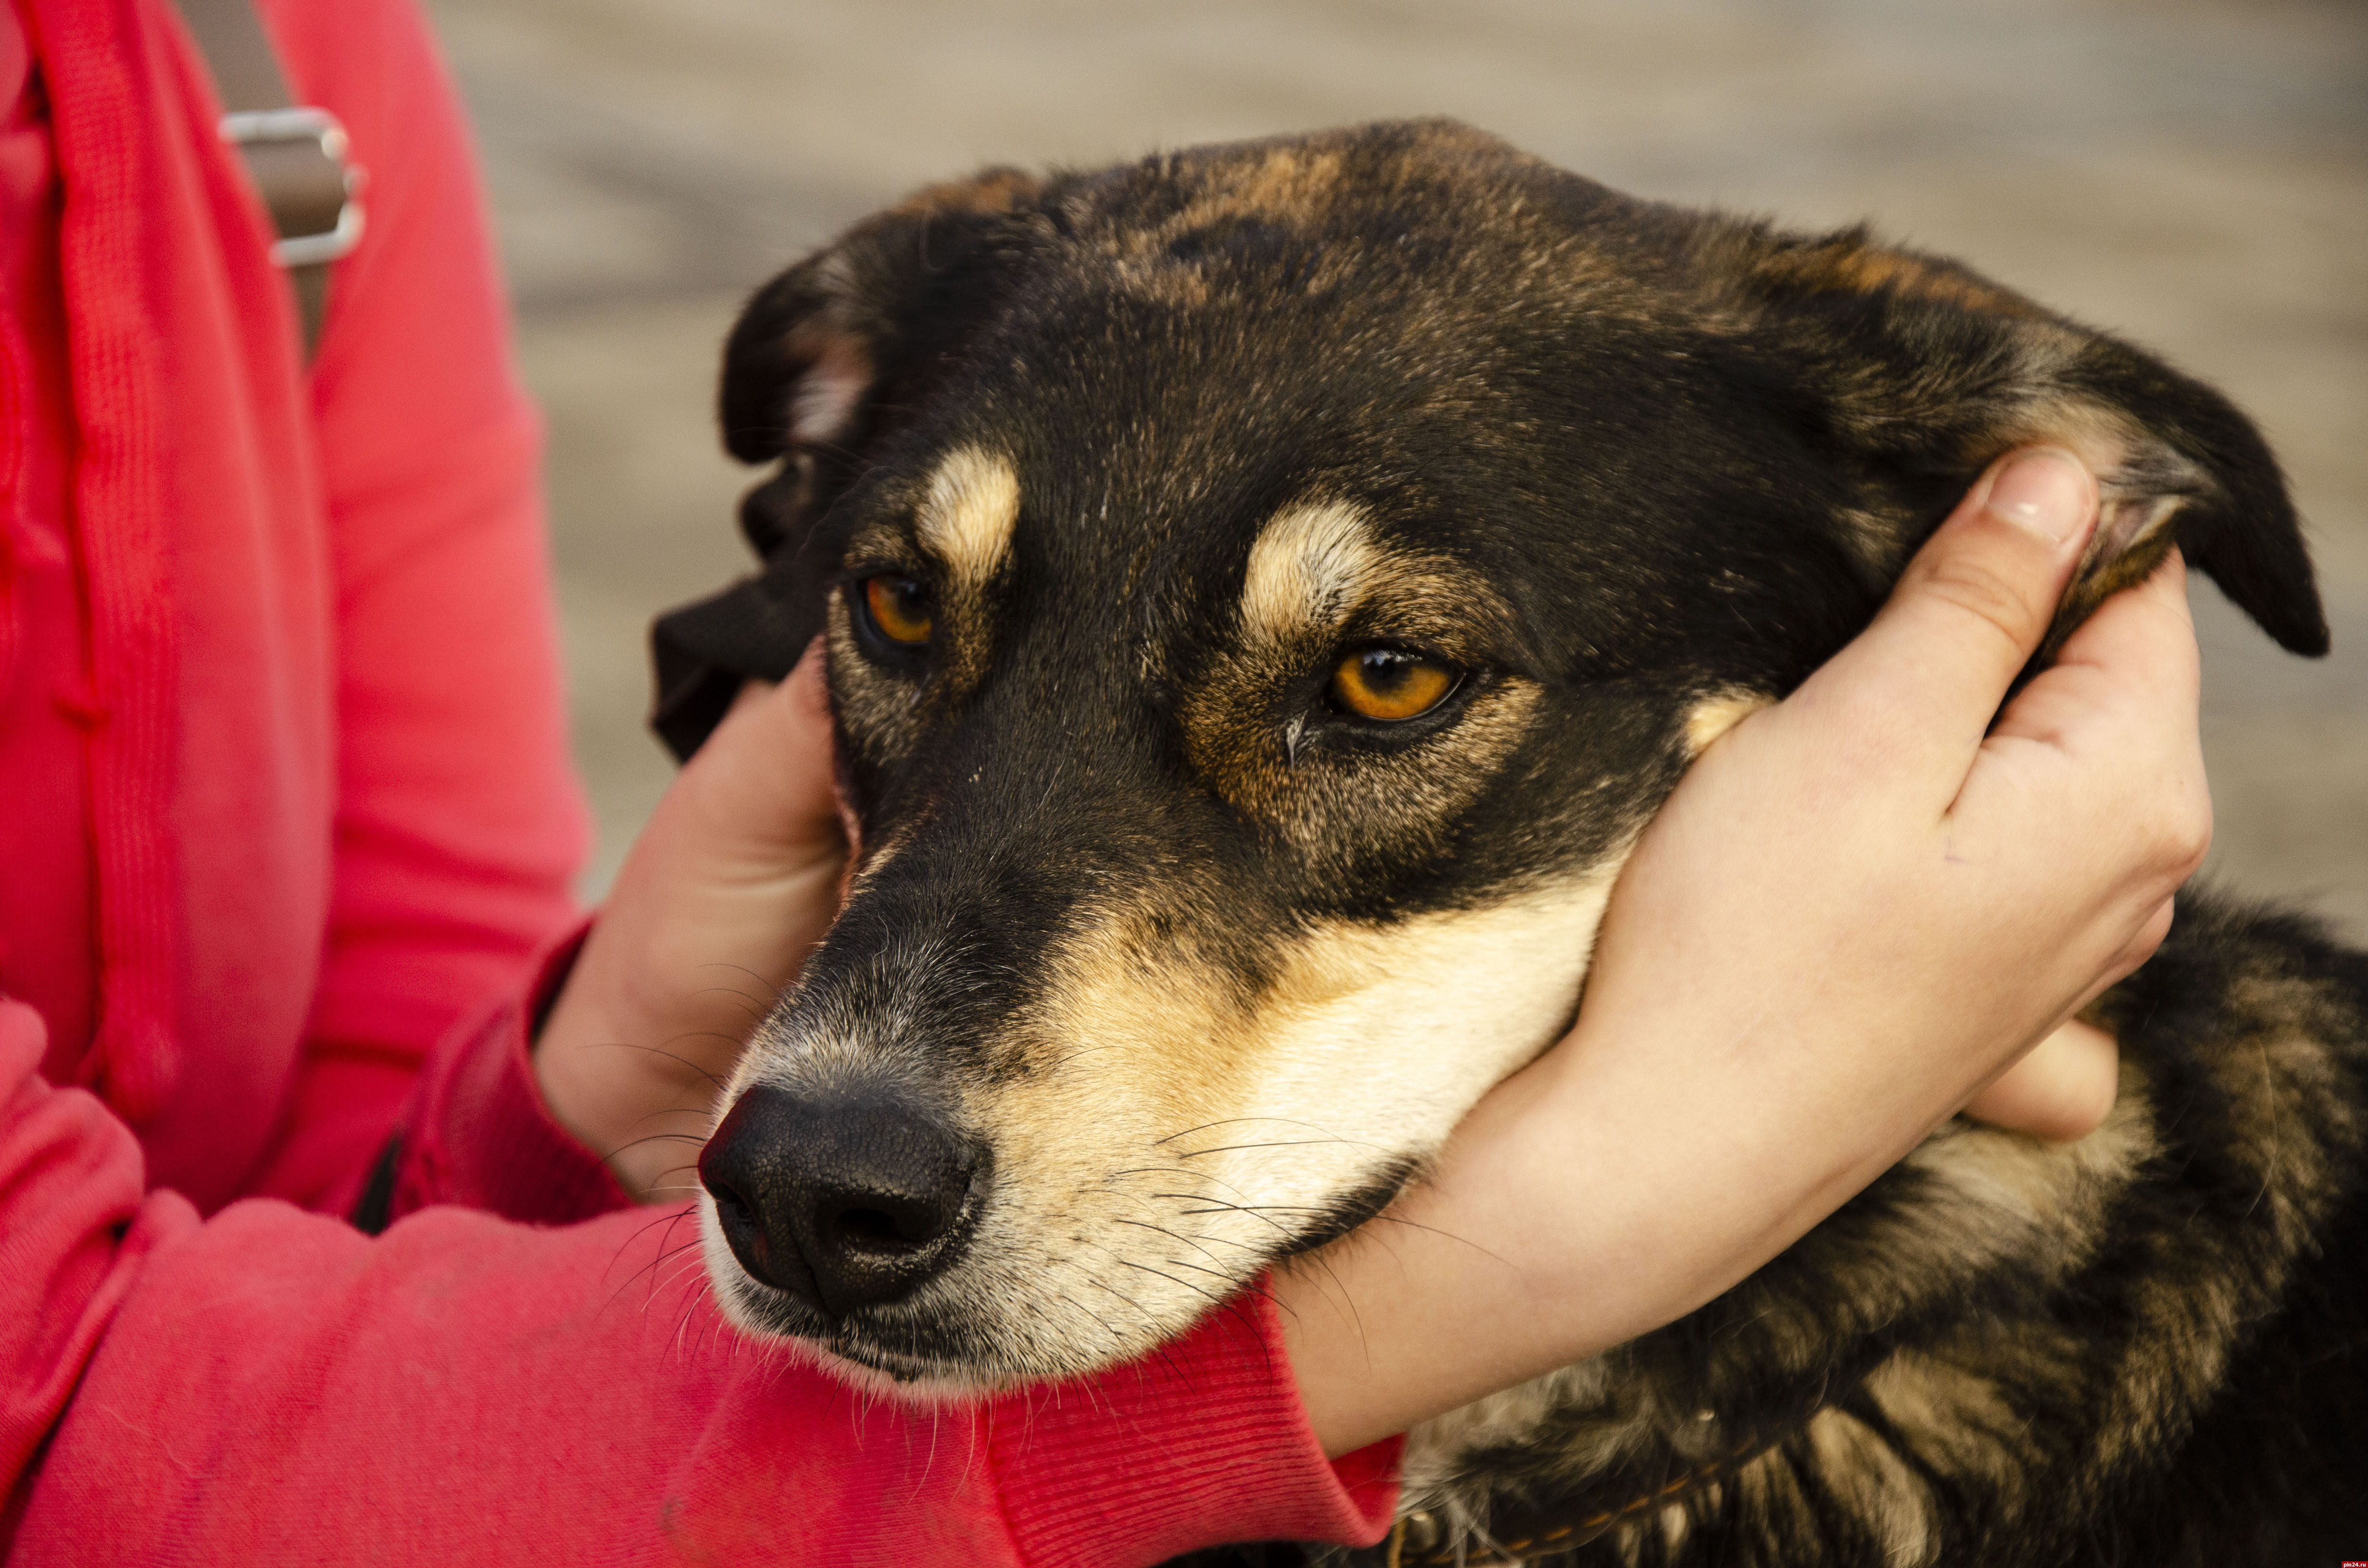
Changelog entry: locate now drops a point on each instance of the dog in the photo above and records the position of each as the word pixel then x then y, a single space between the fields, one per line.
pixel 1267 588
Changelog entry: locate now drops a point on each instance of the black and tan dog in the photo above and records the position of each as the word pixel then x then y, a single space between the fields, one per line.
pixel 1267 589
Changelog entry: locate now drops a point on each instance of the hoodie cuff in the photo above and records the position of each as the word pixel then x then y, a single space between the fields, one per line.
pixel 477 1133
pixel 1203 1444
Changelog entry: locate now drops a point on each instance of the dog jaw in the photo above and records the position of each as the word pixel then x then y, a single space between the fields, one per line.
pixel 1162 1143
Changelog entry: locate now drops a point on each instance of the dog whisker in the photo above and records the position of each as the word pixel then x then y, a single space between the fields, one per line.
pixel 1286 1143
pixel 656 1138
pixel 668 1218
pixel 1184 1171
pixel 1255 1211
pixel 1147 1268
pixel 1163 1230
pixel 660 1050
pixel 1235 1121
pixel 774 991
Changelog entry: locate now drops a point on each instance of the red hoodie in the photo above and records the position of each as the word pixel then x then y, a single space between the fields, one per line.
pixel 283 799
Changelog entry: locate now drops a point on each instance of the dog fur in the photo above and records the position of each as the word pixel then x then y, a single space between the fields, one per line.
pixel 1205 966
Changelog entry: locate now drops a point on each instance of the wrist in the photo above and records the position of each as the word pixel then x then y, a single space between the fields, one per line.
pixel 601 1066
pixel 1604 1191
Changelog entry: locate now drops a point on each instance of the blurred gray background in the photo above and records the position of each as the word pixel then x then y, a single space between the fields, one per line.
pixel 2192 175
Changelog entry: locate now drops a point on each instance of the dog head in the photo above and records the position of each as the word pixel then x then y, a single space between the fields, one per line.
pixel 1267 588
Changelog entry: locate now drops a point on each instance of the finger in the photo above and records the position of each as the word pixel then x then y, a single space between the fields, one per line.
pixel 1967 614
pixel 2163 593
pixel 763 780
pixel 2144 939
pixel 2122 712
pixel 2135 659
pixel 799 701
pixel 752 691
pixel 796 712
pixel 2062 1089
pixel 2149 936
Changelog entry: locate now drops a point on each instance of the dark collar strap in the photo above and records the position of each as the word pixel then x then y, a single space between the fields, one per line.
pixel 295 153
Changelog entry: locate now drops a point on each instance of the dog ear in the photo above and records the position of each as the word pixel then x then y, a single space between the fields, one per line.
pixel 822 363
pixel 1920 372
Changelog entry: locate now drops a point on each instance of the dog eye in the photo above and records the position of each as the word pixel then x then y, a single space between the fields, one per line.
pixel 899 608
pixel 1388 685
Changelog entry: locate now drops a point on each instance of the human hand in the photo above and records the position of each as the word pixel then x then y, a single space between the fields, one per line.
pixel 1856 911
pixel 729 886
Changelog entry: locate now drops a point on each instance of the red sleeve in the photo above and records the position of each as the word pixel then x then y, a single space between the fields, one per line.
pixel 272 1387
pixel 476 1132
pixel 459 826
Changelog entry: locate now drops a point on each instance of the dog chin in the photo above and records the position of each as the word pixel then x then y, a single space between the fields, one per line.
pixel 763 1312
pixel 871 1368
pixel 885 1374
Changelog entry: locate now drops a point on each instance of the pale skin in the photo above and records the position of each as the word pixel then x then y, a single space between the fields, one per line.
pixel 1863 909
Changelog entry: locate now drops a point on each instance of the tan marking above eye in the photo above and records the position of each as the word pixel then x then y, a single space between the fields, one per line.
pixel 1307 567
pixel 899 606
pixel 1388 685
pixel 967 517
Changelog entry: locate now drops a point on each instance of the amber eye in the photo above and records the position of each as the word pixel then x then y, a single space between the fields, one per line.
pixel 899 608
pixel 1389 685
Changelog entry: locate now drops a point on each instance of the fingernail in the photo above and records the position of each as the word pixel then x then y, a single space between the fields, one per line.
pixel 2043 491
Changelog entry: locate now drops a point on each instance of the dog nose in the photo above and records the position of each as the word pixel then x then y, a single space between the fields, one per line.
pixel 842 1203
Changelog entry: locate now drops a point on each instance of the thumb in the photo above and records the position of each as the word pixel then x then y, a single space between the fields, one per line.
pixel 1973 605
